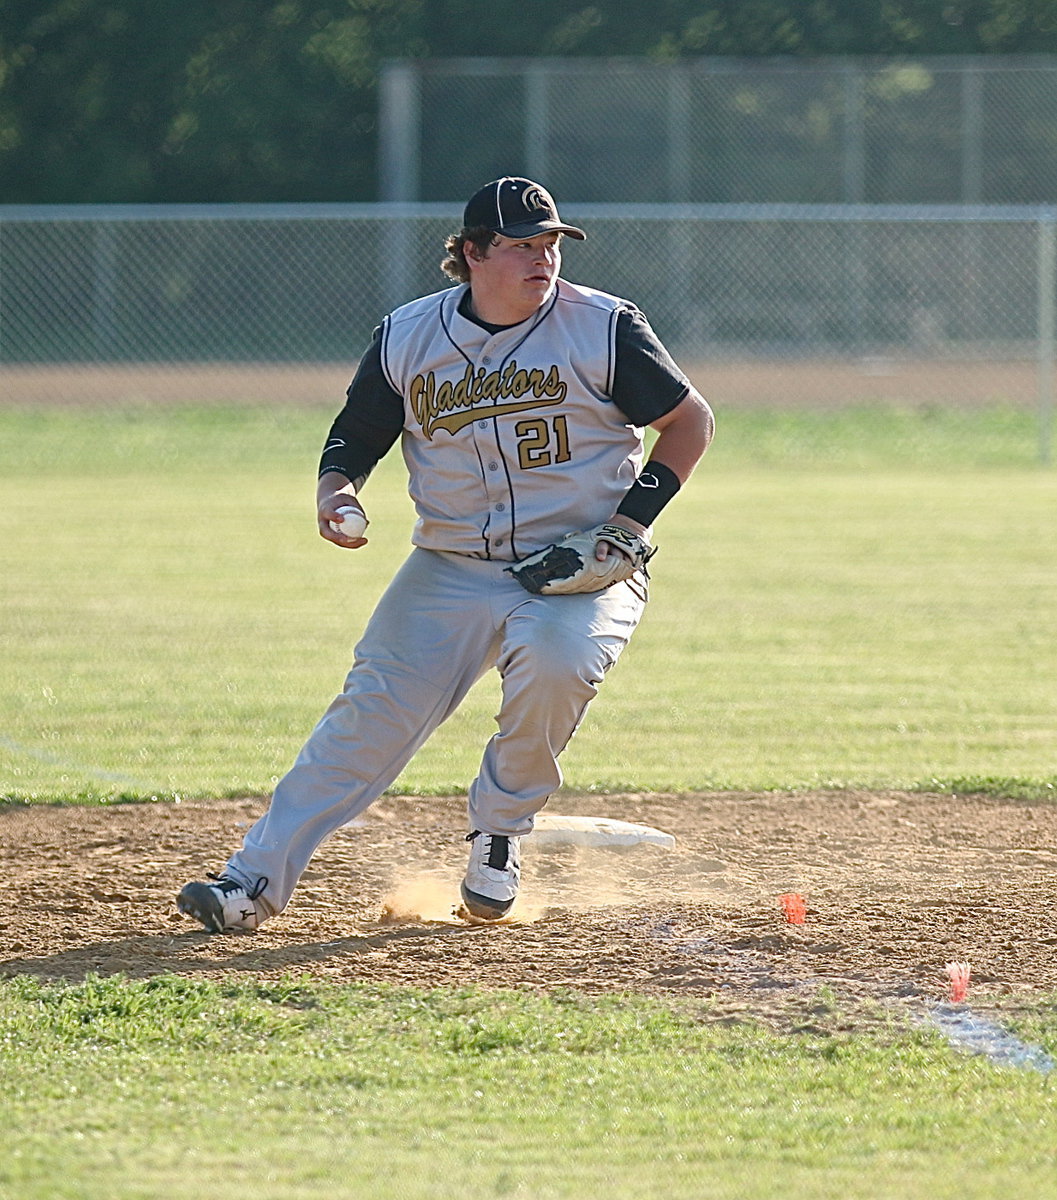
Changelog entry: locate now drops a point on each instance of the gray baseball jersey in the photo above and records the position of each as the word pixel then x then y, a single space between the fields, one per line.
pixel 513 436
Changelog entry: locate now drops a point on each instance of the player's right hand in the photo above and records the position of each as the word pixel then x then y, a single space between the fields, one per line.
pixel 328 516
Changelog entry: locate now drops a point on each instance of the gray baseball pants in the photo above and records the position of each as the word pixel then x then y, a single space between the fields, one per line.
pixel 444 620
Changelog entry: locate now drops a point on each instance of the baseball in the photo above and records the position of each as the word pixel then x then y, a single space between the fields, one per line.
pixel 352 523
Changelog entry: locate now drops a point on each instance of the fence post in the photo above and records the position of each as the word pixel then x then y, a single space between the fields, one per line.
pixel 680 187
pixel 537 121
pixel 1047 305
pixel 399 128
pixel 853 164
pixel 399 157
pixel 104 290
pixel 682 250
pixel 972 105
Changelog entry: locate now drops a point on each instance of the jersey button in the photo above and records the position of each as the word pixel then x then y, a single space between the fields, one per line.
pixel 482 424
pixel 500 508
pixel 493 466
pixel 486 360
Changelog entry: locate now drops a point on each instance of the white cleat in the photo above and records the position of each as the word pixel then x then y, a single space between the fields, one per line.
pixel 493 876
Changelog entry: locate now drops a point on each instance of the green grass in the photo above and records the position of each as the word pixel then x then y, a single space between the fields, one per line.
pixel 935 437
pixel 870 606
pixel 122 1090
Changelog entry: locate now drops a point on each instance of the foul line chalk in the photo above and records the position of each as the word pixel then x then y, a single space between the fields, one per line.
pixel 968 1031
pixel 72 767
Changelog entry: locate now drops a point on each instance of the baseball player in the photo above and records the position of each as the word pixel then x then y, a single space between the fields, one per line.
pixel 520 402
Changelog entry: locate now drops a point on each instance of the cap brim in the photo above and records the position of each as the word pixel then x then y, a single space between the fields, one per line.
pixel 527 229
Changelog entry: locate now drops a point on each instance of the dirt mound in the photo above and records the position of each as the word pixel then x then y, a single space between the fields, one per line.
pixel 896 886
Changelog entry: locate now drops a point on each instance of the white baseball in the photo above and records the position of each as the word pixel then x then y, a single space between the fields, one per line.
pixel 352 523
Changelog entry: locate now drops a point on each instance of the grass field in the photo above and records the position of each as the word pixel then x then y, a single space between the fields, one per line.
pixel 179 1089
pixel 856 598
pixel 853 598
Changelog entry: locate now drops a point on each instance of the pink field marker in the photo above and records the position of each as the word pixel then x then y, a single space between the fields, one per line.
pixel 958 975
pixel 794 908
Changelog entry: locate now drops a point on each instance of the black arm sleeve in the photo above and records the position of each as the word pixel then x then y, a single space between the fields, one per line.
pixel 646 381
pixel 366 428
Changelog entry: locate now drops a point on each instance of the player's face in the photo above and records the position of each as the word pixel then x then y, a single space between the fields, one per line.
pixel 515 277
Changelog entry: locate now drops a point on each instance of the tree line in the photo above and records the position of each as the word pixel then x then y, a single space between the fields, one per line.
pixel 179 101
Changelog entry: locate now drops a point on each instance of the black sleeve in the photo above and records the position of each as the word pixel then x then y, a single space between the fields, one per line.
pixel 647 383
pixel 366 428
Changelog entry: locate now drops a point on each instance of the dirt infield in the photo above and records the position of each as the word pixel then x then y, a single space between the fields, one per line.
pixel 793 383
pixel 896 886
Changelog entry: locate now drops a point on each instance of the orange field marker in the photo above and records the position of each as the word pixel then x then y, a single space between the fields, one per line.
pixel 794 907
pixel 958 976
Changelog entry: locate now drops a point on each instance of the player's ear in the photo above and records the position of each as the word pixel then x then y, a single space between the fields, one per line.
pixel 476 252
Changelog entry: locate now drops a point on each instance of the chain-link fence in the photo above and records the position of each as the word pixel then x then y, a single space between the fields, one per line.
pixel 778 305
pixel 944 130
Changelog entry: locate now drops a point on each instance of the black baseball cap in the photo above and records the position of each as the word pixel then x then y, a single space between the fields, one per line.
pixel 516 208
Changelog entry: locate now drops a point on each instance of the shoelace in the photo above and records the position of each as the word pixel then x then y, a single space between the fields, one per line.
pixel 228 885
pixel 498 849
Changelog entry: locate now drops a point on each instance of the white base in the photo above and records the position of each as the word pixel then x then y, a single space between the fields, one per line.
pixel 553 829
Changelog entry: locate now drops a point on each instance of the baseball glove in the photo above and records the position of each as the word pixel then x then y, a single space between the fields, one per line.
pixel 570 565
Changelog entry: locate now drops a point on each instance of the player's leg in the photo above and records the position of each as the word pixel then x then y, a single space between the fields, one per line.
pixel 554 655
pixel 430 638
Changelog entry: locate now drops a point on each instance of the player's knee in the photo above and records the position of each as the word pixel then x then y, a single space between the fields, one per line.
pixel 564 659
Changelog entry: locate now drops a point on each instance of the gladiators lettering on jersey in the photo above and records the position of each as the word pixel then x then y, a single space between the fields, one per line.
pixel 451 406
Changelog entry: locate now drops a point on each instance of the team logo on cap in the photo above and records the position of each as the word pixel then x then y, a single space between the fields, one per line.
pixel 535 197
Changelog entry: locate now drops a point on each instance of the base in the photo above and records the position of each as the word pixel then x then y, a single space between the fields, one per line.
pixel 553 829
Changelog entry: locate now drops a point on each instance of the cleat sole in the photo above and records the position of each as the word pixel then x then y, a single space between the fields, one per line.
pixel 482 908
pixel 196 900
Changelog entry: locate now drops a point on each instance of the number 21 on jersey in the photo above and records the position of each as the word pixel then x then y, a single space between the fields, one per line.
pixel 542 442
